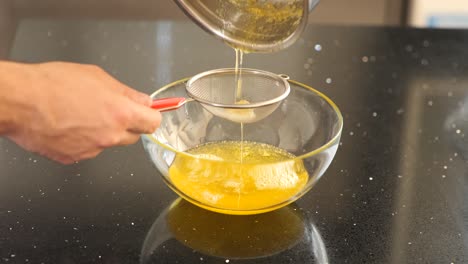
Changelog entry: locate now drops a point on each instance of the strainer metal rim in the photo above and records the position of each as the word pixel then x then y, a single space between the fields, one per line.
pixel 279 77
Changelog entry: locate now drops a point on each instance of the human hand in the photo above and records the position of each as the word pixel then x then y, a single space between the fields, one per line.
pixel 70 112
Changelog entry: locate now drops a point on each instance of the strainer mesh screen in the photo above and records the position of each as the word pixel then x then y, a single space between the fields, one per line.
pixel 221 88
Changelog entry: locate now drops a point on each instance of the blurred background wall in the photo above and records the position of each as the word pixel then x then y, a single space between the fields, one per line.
pixel 440 14
pixel 419 13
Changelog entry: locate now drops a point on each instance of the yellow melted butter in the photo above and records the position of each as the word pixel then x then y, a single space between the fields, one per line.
pixel 242 102
pixel 262 21
pixel 242 114
pixel 267 176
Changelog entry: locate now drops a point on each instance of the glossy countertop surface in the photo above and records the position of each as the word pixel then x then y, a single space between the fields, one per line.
pixel 396 191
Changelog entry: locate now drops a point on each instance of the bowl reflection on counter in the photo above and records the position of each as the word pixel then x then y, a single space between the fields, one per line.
pixel 187 233
pixel 307 124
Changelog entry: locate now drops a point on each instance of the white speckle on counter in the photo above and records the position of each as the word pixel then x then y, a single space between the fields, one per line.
pixel 328 80
pixel 317 47
pixel 365 59
pixel 370 178
pixel 430 103
pixel 374 114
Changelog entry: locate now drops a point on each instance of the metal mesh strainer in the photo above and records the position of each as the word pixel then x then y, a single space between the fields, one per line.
pixel 218 91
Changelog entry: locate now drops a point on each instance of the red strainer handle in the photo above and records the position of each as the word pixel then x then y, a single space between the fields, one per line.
pixel 166 104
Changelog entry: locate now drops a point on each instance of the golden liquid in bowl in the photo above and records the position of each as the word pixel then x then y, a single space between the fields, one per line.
pixel 236 176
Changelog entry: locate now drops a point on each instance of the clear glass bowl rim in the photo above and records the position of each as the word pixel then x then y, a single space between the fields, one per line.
pixel 313 152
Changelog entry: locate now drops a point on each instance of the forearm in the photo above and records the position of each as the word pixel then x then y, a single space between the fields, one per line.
pixel 14 95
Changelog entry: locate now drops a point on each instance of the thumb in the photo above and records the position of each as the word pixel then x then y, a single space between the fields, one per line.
pixel 145 120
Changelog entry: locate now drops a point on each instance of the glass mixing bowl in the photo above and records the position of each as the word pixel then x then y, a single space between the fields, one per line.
pixel 307 124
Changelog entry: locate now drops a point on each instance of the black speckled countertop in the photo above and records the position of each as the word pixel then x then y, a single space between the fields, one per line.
pixel 396 191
